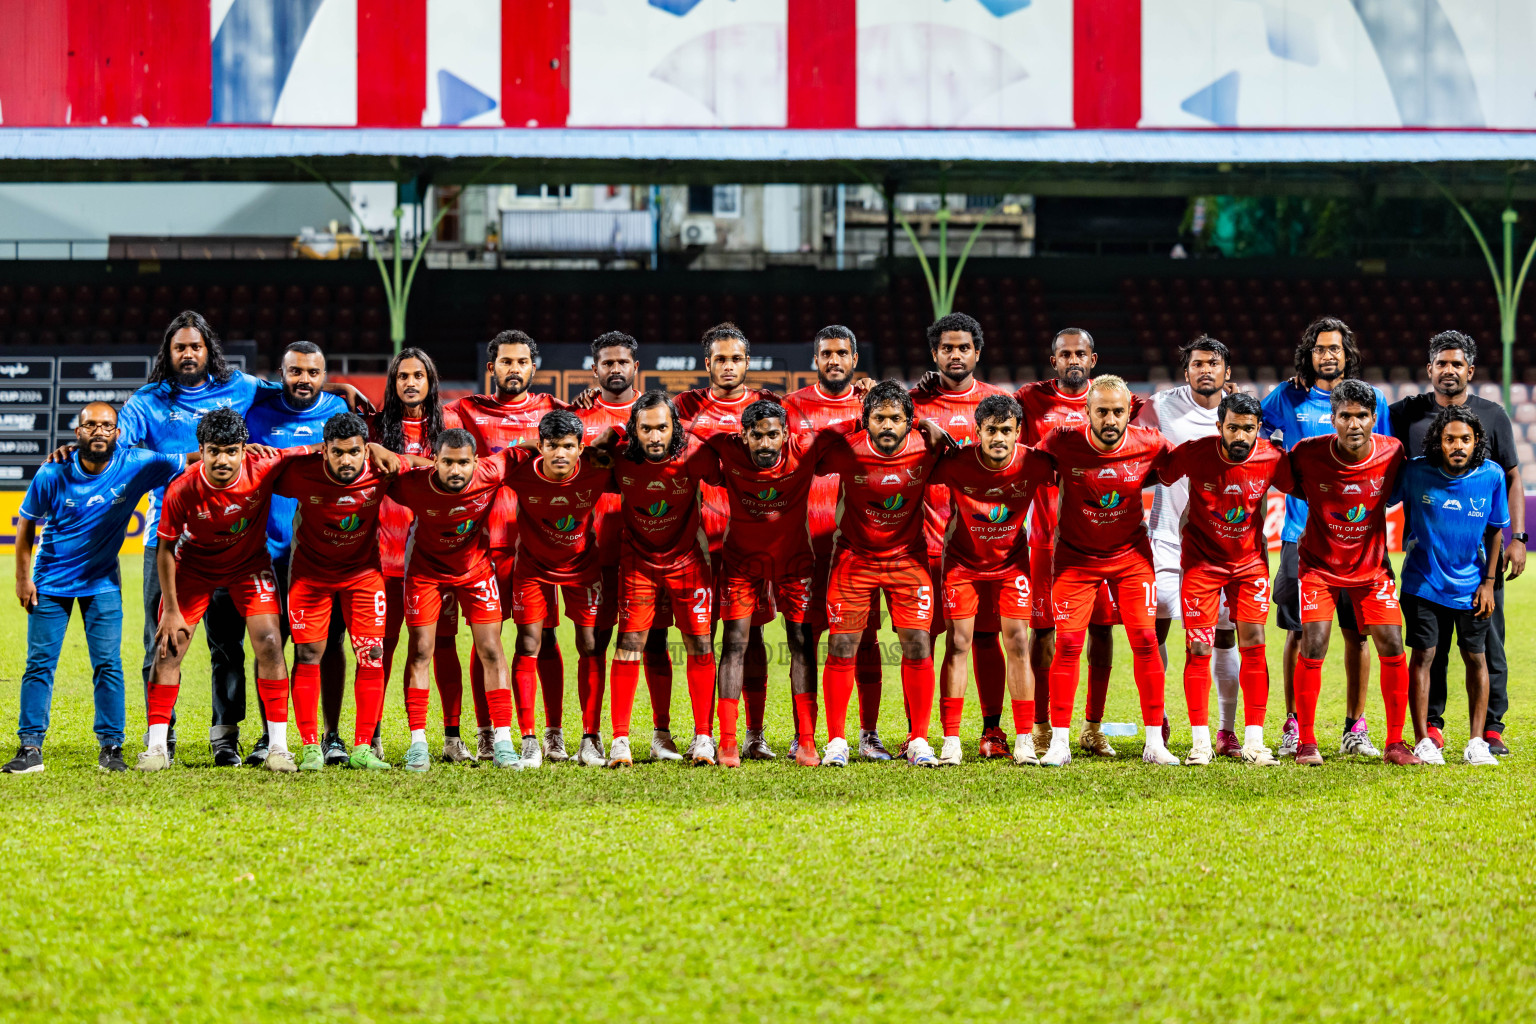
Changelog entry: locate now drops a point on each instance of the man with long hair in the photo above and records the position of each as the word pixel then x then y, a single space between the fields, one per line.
pixel 1297 410
pixel 408 423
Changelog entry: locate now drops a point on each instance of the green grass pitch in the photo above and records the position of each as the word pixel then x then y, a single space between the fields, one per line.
pixel 1106 891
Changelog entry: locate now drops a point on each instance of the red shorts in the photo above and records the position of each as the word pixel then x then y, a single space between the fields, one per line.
pixel 685 585
pixel 856 581
pixel 533 598
pixel 362 606
pixel 1076 592
pixel 254 593
pixel 1040 585
pixel 608 608
pixel 966 597
pixel 1375 602
pixel 743 596
pixel 763 610
pixel 480 600
pixel 504 586
pixel 1202 587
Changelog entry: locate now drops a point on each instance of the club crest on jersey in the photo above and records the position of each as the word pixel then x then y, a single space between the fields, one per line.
pixel 1235 516
pixel 657 509
pixel 350 523
pixel 565 524
pixel 891 503
pixel 464 527
pixel 1110 500
pixel 1351 515
pixel 995 514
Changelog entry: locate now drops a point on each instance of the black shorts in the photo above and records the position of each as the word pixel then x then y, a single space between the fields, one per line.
pixel 1429 623
pixel 1287 594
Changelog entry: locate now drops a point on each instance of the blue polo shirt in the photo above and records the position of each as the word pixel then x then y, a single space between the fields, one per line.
pixel 1297 413
pixel 271 420
pixel 1444 517
pixel 86 515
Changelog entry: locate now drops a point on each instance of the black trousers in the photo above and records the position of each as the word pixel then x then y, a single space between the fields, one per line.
pixel 225 629
pixel 1498 672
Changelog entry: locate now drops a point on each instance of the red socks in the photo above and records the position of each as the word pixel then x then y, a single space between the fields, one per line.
pixel 499 703
pixel 524 679
pixel 1394 693
pixel 866 667
pixel 160 701
pixel 1098 690
pixel 450 681
pixel 1063 676
pixel 1308 685
pixel 730 708
pixel 951 710
pixel 837 689
pixel 805 718
pixel 701 691
pixel 589 691
pixel 1197 687
pixel 306 702
pixel 416 707
pixel 274 696
pixel 1023 716
pixel 917 686
pixel 626 679
pixel 658 681
pixel 368 690
pixel 991 671
pixel 552 683
pixel 754 684
pixel 1147 665
pixel 1253 677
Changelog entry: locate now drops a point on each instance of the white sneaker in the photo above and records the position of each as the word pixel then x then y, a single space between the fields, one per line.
pixel 1427 752
pixel 950 752
pixel 554 745
pixel 1160 756
pixel 280 761
pixel 663 747
pixel 1058 755
pixel 835 753
pixel 590 753
pixel 1024 749
pixel 1200 752
pixel 1258 754
pixel 1357 741
pixel 532 755
pixel 157 758
pixel 618 752
pixel 1477 752
pixel 702 750
pixel 920 754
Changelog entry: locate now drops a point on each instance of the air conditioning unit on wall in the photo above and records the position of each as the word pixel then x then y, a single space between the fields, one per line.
pixel 698 231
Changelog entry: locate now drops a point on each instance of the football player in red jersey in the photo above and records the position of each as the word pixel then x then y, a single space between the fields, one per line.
pixel 411 415
pixel 1347 479
pixel 451 500
pixel 882 470
pixel 614 367
pixel 956 341
pixel 833 401
pixel 768 562
pixel 1101 538
pixel 336 552
pixel 212 536
pixel 1222 551
pixel 497 421
pixel 558 492
pixel 713 410
pixel 986 560
pixel 663 563
pixel 1048 404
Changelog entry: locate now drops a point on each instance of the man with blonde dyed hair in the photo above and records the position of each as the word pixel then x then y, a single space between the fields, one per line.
pixel 1100 539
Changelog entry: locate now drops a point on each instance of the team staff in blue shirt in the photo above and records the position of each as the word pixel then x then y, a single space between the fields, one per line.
pixel 1455 508
pixel 86 503
pixel 295 416
pixel 1298 409
pixel 190 378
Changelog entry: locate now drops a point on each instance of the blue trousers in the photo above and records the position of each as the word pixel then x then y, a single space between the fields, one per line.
pixel 46 625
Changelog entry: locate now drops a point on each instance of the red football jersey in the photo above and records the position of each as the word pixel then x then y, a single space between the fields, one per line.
pixel 395 518
pixel 1047 407
pixel 662 522
pixel 335 526
pixel 554 529
pixel 768 506
pixel 448 539
pixel 986 531
pixel 1345 540
pixel 496 426
pixel 955 411
pixel 1224 519
pixel 811 410
pixel 1100 514
pixel 880 512
pixel 608 520
pixel 704 415
pixel 212 526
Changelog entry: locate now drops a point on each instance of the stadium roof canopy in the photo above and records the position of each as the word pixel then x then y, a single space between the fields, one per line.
pixel 1076 161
